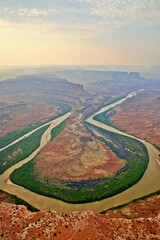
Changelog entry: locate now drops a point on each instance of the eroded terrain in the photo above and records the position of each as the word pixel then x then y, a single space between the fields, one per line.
pixel 19 115
pixel 31 99
pixel 143 208
pixel 76 155
pixel 140 116
pixel 18 223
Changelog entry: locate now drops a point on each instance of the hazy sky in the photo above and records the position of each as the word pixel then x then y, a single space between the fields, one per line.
pixel 80 32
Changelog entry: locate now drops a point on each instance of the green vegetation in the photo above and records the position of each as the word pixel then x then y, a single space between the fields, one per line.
pixel 108 102
pixel 55 131
pixel 157 193
pixel 64 107
pixel 18 201
pixel 157 147
pixel 117 99
pixel 133 151
pixel 104 117
pixel 8 138
pixel 20 150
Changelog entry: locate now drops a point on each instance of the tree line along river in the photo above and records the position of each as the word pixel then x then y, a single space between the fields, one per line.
pixel 149 183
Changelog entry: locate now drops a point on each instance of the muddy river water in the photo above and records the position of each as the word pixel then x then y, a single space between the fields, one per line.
pixel 150 182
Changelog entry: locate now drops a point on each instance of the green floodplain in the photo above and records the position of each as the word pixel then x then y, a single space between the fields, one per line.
pixel 132 151
pixel 20 150
pixel 8 138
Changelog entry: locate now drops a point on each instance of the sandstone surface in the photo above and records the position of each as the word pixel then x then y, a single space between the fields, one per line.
pixel 17 223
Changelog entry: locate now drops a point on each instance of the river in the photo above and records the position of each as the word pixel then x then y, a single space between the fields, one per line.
pixel 150 182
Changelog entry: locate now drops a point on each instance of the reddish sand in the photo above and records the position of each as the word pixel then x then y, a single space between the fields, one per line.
pixel 149 207
pixel 140 116
pixel 75 154
pixel 23 117
pixel 4 197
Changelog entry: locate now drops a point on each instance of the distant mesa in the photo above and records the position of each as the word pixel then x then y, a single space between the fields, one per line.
pixel 41 84
pixel 95 75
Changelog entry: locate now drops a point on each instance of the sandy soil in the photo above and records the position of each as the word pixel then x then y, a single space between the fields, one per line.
pixel 140 116
pixel 76 155
pixel 20 118
pixel 5 197
pixel 149 207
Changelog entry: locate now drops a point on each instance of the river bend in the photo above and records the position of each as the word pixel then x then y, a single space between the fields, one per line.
pixel 149 183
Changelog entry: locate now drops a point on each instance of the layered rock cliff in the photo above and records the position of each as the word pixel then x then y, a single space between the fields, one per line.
pixel 35 84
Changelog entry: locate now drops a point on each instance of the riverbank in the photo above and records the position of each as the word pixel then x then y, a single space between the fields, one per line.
pixel 136 160
pixel 143 187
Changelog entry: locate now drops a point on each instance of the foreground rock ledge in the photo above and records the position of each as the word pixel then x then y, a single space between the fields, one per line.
pixel 16 222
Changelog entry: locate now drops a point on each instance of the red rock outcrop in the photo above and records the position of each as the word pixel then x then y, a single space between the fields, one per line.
pixel 17 223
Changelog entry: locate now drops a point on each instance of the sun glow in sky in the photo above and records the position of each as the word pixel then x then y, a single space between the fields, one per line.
pixel 37 32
